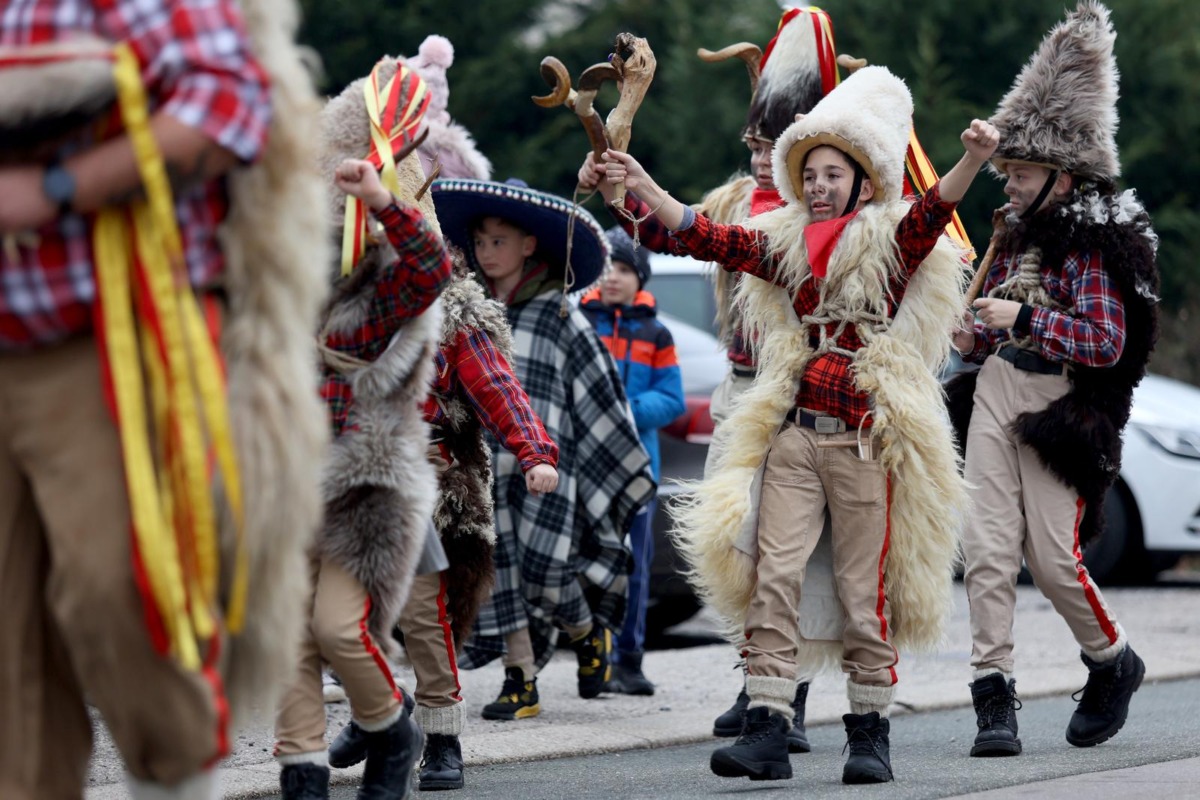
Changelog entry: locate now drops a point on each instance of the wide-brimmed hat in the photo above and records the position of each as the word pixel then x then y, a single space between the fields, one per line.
pixel 868 117
pixel 461 202
pixel 1061 111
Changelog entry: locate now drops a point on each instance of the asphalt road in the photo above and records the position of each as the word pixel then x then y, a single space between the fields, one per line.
pixel 929 756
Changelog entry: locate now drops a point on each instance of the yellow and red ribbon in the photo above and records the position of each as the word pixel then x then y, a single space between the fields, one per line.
pixel 923 176
pixel 164 375
pixel 395 111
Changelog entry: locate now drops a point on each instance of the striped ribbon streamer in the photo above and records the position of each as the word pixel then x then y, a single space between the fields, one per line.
pixel 923 176
pixel 395 112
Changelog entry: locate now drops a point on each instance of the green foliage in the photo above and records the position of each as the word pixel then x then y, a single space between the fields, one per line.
pixel 958 57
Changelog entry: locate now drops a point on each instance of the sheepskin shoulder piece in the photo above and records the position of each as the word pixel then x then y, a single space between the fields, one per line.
pixel 276 243
pixel 1062 109
pixel 868 117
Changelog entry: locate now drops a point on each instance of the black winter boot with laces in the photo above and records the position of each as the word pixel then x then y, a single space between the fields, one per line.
pixel 730 723
pixel 798 737
pixel 996 707
pixel 391 755
pixel 870 758
pixel 304 782
pixel 760 752
pixel 442 767
pixel 1104 699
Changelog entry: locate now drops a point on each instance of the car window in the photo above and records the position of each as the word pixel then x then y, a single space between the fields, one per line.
pixel 687 297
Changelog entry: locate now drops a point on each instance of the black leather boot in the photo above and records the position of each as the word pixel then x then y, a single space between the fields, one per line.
pixel 391 755
pixel 304 782
pixel 870 758
pixel 760 752
pixel 628 678
pixel 996 707
pixel 730 723
pixel 1104 699
pixel 442 767
pixel 349 747
pixel 798 737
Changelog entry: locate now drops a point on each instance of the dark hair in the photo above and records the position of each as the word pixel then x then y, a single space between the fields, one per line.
pixel 476 224
pixel 850 162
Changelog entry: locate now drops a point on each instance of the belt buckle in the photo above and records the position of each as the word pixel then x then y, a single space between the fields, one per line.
pixel 826 425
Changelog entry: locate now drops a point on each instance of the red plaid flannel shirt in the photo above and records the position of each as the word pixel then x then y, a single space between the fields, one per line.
pixel 197 67
pixel 402 291
pixel 1090 333
pixel 827 384
pixel 656 238
pixel 473 368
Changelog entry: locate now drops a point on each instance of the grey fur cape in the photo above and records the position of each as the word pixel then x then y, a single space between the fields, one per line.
pixel 549 549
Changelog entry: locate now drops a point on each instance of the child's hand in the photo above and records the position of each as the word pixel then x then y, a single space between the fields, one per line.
pixel 590 173
pixel 980 139
pixel 541 479
pixel 359 178
pixel 998 314
pixel 963 336
pixel 624 167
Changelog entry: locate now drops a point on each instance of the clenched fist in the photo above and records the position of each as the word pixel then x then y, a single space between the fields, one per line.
pixel 542 479
pixel 359 178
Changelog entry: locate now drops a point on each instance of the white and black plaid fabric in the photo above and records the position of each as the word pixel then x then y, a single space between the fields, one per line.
pixel 561 558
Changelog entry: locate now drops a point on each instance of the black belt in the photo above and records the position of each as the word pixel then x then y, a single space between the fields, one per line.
pixel 1029 361
pixel 821 423
pixel 744 372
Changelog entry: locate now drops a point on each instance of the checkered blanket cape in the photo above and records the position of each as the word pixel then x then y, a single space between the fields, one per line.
pixel 559 555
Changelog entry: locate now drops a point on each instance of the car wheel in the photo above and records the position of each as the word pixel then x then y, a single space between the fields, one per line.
pixel 1119 556
pixel 669 612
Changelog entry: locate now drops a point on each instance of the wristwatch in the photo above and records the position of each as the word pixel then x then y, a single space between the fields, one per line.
pixel 59 187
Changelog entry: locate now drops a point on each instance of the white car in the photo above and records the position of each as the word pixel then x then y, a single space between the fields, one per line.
pixel 1152 512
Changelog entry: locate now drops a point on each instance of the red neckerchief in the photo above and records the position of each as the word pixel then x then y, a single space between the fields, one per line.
pixel 820 239
pixel 764 200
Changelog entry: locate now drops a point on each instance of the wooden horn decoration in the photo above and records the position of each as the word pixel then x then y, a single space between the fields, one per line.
pixel 747 52
pixel 554 72
pixel 634 62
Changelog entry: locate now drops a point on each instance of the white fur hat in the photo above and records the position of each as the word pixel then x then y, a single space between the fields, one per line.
pixel 1061 111
pixel 868 117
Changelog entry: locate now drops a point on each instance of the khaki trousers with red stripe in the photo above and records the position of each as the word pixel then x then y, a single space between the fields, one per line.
pixel 74 622
pixel 1021 510
pixel 336 633
pixel 804 475
pixel 429 642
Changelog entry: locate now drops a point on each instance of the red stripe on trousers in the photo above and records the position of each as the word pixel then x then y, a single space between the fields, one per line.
pixel 1085 580
pixel 448 635
pixel 882 596
pixel 213 676
pixel 369 643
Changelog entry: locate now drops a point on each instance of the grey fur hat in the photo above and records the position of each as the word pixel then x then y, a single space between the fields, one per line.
pixel 1061 111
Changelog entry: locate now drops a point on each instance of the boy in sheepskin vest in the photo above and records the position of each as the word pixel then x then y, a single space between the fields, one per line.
pixel 549 546
pixel 858 290
pixel 1066 323
pixel 146 323
pixel 377 350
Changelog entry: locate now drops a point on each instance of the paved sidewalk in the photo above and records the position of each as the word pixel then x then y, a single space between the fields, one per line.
pixel 696 684
pixel 1149 782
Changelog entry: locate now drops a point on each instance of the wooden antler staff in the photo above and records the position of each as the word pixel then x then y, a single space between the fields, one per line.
pixel 634 63
pixel 747 52
pixel 556 76
pixel 985 266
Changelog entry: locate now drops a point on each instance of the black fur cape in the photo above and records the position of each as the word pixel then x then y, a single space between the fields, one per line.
pixel 1078 436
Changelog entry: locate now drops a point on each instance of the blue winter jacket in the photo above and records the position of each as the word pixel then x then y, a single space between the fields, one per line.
pixel 644 352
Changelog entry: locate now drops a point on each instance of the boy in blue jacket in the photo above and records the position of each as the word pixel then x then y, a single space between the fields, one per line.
pixel 624 316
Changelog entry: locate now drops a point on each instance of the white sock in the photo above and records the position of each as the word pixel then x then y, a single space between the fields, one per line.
pixel 201 786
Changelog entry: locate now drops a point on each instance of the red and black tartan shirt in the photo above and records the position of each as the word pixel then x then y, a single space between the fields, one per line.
pixel 197 67
pixel 402 291
pixel 1091 333
pixel 827 385
pixel 472 367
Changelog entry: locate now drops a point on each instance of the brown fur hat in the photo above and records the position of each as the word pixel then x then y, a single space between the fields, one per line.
pixel 1061 111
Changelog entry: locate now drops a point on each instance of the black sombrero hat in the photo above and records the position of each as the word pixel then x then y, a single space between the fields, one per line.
pixel 460 201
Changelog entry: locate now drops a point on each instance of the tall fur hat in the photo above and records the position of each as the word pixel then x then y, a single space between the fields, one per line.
pixel 798 68
pixel 1061 111
pixel 449 145
pixel 868 117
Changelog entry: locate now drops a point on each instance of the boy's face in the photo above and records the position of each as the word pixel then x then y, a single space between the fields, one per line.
pixel 501 248
pixel 1025 182
pixel 760 162
pixel 828 182
pixel 620 285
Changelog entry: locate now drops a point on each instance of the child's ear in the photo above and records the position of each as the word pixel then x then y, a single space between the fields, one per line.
pixel 528 245
pixel 867 191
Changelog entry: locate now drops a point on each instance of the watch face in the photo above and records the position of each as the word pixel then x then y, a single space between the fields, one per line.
pixel 58 185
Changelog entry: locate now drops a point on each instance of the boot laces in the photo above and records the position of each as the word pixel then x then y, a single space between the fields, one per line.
pixel 1095 694
pixel 756 732
pixel 996 709
pixel 861 742
pixel 437 753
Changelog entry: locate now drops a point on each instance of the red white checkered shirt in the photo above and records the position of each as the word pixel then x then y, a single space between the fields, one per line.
pixel 471 367
pixel 827 385
pixel 197 67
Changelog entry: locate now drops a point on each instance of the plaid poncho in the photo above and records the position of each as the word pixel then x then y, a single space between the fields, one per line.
pixel 549 548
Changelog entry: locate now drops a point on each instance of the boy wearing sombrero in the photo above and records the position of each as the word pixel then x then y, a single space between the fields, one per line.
pixel 528 248
pixel 859 289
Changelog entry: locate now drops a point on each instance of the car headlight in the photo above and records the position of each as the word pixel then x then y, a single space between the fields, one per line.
pixel 1176 441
